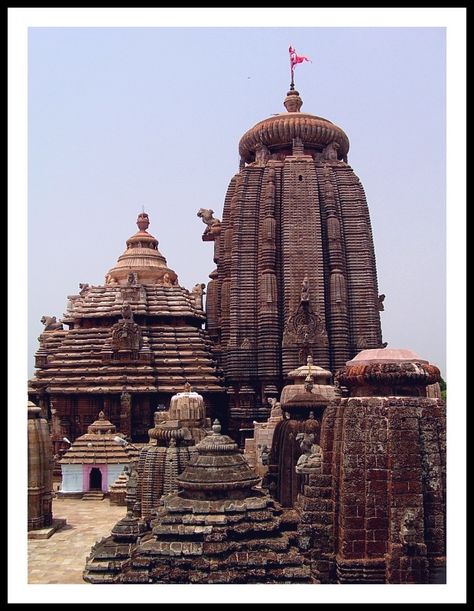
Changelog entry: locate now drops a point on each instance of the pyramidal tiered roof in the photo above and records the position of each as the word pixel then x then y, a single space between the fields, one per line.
pixel 218 529
pixel 98 446
pixel 139 332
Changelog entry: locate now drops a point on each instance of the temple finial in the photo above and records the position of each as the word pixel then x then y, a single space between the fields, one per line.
pixel 293 102
pixel 143 221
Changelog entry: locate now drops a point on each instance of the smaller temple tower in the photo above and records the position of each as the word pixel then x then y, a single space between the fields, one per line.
pixel 95 460
pixel 40 470
pixel 218 528
pixel 381 491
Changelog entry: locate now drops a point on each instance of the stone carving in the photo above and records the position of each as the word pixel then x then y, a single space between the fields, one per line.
pixel 297 146
pixel 166 280
pixel 334 230
pixel 269 287
pixel 132 278
pixel 265 455
pixel 305 289
pixel 408 527
pixel 246 343
pixel 338 290
pixel 362 343
pixel 309 380
pixel 275 411
pixel 270 186
pixel 330 151
pixel 50 323
pixel 380 300
pixel 126 334
pixel 127 313
pixel 268 230
pixel 311 459
pixel 197 293
pixel 110 280
pixel 125 402
pixel 303 327
pixel 206 215
pixel 262 154
pixel 84 287
pixel 132 483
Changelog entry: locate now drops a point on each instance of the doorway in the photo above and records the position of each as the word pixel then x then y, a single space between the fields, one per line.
pixel 95 479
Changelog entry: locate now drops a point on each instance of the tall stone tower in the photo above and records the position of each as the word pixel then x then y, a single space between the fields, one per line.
pixel 295 260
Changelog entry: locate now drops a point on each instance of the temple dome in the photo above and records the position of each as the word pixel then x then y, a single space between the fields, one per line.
pixel 219 467
pixel 386 372
pixel 386 355
pixel 142 258
pixel 278 132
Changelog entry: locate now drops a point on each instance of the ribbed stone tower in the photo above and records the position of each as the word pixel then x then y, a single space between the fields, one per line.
pixel 40 470
pixel 295 260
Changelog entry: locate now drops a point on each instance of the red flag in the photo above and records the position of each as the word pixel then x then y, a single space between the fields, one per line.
pixel 296 59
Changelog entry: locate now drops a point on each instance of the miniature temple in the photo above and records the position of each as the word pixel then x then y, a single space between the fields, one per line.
pixel 118 489
pixel 95 460
pixel 172 445
pixel 217 529
pixel 303 404
pixel 375 512
pixel 295 260
pixel 131 344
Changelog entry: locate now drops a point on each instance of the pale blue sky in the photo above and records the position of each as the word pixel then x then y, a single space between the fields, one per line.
pixel 125 117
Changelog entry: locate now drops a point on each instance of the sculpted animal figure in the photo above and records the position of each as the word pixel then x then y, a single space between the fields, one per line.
pixel 50 323
pixel 206 215
pixel 330 152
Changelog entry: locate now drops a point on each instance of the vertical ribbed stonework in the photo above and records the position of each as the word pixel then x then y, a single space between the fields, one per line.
pixel 40 470
pixel 302 256
pixel 268 334
pixel 296 266
pixel 241 350
pixel 336 274
pixel 365 331
pixel 224 269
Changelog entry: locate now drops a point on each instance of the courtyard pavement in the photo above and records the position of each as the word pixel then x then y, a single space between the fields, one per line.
pixel 62 557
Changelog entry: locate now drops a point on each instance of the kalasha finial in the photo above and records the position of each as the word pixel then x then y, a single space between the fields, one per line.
pixel 143 222
pixel 216 427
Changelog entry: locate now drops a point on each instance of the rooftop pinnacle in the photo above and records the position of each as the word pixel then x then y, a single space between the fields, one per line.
pixel 293 102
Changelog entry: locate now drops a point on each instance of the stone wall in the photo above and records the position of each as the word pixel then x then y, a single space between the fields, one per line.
pixel 376 513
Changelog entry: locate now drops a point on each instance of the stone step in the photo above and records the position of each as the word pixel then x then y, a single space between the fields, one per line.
pixel 93 496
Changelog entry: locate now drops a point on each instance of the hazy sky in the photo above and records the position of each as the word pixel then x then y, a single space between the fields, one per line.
pixel 121 118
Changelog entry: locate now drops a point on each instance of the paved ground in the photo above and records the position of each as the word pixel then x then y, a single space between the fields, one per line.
pixel 61 558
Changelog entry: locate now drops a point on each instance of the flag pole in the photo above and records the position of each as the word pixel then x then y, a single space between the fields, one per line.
pixel 292 72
